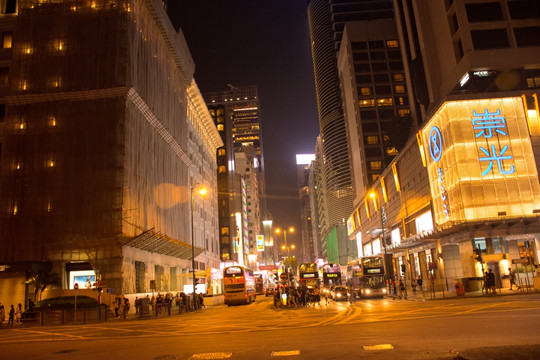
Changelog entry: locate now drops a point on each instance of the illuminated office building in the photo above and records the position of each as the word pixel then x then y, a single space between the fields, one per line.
pixel 104 136
pixel 468 181
pixel 303 167
pixel 236 113
pixel 327 19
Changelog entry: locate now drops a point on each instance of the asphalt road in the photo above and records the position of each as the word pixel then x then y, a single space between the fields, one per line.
pixel 499 327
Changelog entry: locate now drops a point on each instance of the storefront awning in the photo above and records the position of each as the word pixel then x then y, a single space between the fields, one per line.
pixel 156 242
pixel 457 232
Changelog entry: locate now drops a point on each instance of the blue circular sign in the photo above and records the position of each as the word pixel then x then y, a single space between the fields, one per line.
pixel 435 143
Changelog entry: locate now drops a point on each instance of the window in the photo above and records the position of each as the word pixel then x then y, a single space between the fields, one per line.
pixel 524 9
pixel 385 102
pixel 11 7
pixel 2 112
pixel 399 77
pixel 404 112
pixel 220 127
pixel 372 139
pixel 4 76
pixel 392 43
pixel 365 91
pixel 366 103
pixel 484 12
pixel 374 177
pixel 399 89
pixel 7 40
pixel 527 36
pixel 490 39
pixel 222 169
pixel 375 165
pixel 221 152
pixel 225 230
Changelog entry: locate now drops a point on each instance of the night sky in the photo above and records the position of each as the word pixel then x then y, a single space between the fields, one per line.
pixel 262 43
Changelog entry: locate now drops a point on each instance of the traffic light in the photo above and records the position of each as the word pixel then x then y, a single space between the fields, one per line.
pixel 478 255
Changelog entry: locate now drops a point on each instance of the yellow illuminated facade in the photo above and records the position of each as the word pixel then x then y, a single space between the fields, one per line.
pixel 480 161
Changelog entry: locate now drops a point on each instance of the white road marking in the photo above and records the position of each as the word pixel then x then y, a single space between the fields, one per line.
pixel 378 347
pixel 216 355
pixel 286 353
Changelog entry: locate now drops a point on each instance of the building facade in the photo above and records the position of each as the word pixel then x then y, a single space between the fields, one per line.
pixel 463 197
pixel 327 19
pixel 104 138
pixel 236 113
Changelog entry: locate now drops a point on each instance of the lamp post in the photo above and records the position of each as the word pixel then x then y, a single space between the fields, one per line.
pixel 283 247
pixel 202 192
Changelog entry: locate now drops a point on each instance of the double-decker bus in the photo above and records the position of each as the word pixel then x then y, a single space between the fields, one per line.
pixel 309 275
pixel 331 276
pixel 367 276
pixel 239 285
pixel 259 283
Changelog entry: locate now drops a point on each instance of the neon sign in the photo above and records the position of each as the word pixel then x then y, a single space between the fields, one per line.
pixel 490 125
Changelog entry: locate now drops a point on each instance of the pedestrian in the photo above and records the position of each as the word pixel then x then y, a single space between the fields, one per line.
pixel 402 294
pixel 512 276
pixel 2 315
pixel 126 307
pixel 201 301
pixel 491 281
pixel 419 281
pixel 11 315
pixel 413 286
pixel 31 305
pixel 18 314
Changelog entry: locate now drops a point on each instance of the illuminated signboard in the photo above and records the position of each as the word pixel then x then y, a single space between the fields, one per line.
pixel 260 242
pixel 480 160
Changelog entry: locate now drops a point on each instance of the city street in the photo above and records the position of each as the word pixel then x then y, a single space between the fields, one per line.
pixel 369 329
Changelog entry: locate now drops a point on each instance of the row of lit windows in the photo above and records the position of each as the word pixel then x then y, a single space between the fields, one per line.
pixel 368 90
pixel 374 44
pixel 380 78
pixel 21 123
pixel 14 207
pixel 48 163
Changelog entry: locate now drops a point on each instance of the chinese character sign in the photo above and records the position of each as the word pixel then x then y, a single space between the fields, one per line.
pixel 480 160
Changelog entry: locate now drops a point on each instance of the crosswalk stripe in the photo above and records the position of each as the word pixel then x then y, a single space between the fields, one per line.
pixel 286 353
pixel 216 355
pixel 377 347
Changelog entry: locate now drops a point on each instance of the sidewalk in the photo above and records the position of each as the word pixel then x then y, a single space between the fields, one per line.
pixel 440 295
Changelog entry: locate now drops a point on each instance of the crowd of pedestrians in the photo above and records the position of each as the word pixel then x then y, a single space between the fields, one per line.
pixel 296 297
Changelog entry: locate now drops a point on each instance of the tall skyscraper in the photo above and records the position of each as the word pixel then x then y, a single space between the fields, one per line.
pixel 327 19
pixel 236 113
pixel 104 138
pixel 303 168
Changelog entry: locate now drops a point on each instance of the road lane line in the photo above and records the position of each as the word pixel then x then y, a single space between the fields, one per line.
pixel 50 333
pixel 216 355
pixel 286 353
pixel 378 347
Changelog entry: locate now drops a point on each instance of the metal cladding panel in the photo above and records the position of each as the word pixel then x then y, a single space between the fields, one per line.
pixel 480 161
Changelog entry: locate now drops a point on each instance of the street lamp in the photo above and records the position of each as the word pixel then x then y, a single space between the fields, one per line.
pixel 202 192
pixel 283 247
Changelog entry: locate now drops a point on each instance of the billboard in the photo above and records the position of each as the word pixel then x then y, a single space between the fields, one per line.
pixel 480 160
pixel 260 242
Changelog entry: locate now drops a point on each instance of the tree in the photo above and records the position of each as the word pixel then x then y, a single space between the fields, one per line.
pixel 41 279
